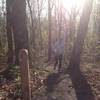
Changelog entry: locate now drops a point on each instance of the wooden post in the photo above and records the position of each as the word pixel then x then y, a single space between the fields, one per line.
pixel 25 76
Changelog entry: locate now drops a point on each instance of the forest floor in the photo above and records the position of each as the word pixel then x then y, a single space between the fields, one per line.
pixel 79 90
pixel 66 89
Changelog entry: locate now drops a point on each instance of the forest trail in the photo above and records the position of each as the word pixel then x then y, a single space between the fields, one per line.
pixel 63 91
pixel 84 87
pixel 80 88
pixel 36 26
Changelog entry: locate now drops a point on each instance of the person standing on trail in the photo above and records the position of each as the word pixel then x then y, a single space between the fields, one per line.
pixel 58 50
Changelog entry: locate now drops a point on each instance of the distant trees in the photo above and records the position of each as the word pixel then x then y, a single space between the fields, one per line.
pixel 72 22
pixel 46 21
pixel 32 29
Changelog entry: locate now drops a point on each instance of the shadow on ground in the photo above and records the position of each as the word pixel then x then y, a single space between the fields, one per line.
pixel 51 81
pixel 80 84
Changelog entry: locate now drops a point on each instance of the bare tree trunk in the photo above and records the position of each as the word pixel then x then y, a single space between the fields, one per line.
pixel 97 28
pixel 32 22
pixel 20 27
pixel 79 42
pixel 9 31
pixel 60 20
pixel 81 86
pixel 98 20
pixel 0 43
pixel 6 71
pixel 39 23
pixel 49 30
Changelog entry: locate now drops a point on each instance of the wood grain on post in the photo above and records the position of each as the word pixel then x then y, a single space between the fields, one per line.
pixel 25 76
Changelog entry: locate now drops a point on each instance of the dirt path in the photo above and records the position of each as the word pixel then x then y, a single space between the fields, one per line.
pixel 63 91
pixel 73 87
pixel 77 85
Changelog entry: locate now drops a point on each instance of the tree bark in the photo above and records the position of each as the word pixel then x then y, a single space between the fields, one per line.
pixel 9 31
pixel 49 30
pixel 82 31
pixel 19 27
pixel 39 24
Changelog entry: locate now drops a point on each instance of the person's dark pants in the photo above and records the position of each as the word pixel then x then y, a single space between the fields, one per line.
pixel 58 61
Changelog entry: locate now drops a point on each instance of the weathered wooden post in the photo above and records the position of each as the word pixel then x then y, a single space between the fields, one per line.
pixel 25 76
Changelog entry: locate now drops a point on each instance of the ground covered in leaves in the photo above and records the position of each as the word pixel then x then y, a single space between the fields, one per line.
pixel 64 90
pixel 93 77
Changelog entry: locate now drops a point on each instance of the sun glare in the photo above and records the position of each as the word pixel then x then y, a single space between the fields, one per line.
pixel 69 3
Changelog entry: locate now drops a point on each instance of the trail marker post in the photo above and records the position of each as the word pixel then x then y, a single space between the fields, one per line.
pixel 25 75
